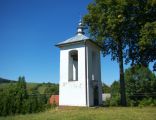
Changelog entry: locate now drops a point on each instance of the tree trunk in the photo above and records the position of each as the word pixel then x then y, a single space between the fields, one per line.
pixel 122 81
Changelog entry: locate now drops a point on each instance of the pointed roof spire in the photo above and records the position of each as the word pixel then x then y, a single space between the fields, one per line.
pixel 80 28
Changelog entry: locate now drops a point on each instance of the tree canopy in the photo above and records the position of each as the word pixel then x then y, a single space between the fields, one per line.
pixel 126 30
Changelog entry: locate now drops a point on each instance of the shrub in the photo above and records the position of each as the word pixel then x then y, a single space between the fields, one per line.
pixel 107 102
pixel 115 100
pixel 147 102
pixel 15 100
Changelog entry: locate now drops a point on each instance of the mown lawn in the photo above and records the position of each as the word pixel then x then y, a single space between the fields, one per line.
pixel 102 113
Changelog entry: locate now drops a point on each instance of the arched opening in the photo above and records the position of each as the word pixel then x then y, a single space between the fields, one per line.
pixel 73 65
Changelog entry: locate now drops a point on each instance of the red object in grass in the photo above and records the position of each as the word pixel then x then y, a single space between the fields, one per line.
pixel 54 99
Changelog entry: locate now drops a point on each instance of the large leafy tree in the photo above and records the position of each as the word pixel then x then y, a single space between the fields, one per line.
pixel 141 31
pixel 106 22
pixel 125 29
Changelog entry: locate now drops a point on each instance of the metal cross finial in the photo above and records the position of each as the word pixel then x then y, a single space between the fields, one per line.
pixel 80 29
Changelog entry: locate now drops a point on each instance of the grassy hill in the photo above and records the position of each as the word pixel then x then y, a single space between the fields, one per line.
pixel 79 113
pixel 40 87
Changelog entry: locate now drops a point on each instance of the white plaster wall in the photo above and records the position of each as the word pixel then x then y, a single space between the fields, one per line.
pixel 89 75
pixel 97 69
pixel 72 93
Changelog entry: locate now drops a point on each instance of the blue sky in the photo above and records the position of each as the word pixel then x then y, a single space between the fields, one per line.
pixel 29 29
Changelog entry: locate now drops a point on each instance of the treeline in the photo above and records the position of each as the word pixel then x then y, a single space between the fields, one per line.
pixel 140 88
pixel 2 80
pixel 16 100
pixel 106 88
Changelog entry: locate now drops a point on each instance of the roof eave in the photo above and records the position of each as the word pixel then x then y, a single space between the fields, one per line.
pixel 80 41
pixel 70 43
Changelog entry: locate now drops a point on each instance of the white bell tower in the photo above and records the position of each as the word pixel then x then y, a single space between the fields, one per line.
pixel 80 72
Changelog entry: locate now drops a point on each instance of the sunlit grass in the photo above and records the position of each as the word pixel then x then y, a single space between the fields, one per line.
pixel 80 113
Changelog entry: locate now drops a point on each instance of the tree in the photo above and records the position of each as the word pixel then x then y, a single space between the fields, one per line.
pixel 141 15
pixel 140 83
pixel 115 90
pixel 7 105
pixel 52 89
pixel 147 41
pixel 106 22
pixel 15 99
pixel 154 67
pixel 105 88
pixel 125 29
pixel 21 94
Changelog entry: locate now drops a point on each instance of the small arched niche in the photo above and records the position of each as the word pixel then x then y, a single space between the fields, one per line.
pixel 73 65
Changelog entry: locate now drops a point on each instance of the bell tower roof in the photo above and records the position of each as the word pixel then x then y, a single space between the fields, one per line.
pixel 78 37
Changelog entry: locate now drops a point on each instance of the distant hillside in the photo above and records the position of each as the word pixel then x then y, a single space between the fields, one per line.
pixel 3 80
pixel 31 87
pixel 42 87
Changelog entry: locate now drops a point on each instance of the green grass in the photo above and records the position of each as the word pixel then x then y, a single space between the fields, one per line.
pixel 77 113
pixel 42 88
pixel 30 86
pixel 4 85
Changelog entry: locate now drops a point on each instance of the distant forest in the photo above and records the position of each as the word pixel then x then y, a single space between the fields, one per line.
pixel 2 80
